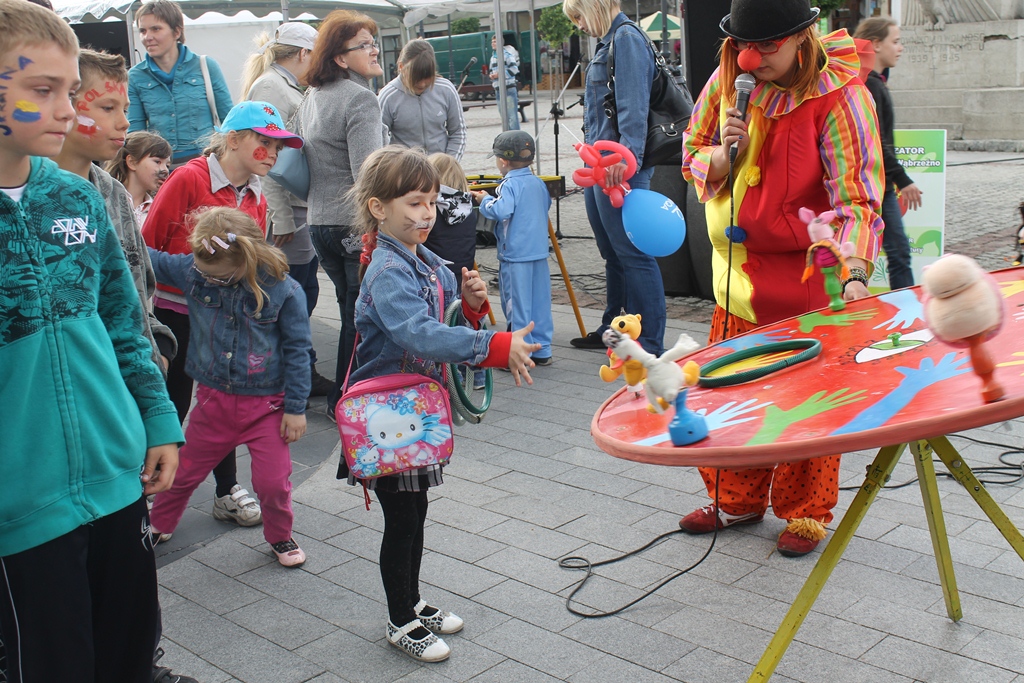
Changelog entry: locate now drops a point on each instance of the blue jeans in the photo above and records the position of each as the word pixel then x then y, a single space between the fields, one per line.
pixel 305 275
pixel 342 266
pixel 632 278
pixel 895 242
pixel 511 105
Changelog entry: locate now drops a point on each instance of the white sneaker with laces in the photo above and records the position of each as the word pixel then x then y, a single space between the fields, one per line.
pixel 237 507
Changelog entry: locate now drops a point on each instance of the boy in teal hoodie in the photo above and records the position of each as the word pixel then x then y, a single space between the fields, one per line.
pixel 88 425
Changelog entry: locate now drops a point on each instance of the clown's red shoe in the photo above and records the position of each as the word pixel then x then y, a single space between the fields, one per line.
pixel 702 520
pixel 801 537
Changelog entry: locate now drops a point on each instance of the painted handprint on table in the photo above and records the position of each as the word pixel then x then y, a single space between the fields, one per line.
pixel 909 309
pixel 749 341
pixel 777 420
pixel 723 416
pixel 914 381
pixel 816 319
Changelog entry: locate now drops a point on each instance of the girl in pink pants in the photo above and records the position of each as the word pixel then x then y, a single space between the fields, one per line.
pixel 249 352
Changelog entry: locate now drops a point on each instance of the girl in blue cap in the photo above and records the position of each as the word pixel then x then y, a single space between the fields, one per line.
pixel 228 173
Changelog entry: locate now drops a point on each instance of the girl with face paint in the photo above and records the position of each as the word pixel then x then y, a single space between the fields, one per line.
pixel 228 173
pixel 809 139
pixel 142 166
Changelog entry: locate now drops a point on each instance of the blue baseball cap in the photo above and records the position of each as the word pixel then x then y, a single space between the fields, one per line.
pixel 261 117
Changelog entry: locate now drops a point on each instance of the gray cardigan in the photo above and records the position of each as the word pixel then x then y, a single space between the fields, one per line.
pixel 341 125
pixel 432 121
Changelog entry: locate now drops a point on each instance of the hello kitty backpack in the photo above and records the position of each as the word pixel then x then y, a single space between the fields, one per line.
pixel 394 423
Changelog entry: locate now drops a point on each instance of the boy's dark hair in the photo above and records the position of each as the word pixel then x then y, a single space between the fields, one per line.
pixel 138 146
pixel 166 11
pixel 25 23
pixel 92 64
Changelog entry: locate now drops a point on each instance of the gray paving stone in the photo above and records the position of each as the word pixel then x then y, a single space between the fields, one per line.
pixel 610 669
pixel 471 493
pixel 702 665
pixel 459 544
pixel 972 580
pixel 359 576
pixel 590 457
pixel 987 614
pixel 317 524
pixel 320 556
pixel 530 604
pixel 328 678
pixel 510 671
pixel 519 534
pixel 530 568
pixel 197 629
pixel 602 505
pixel 230 557
pixel 880 555
pixel 360 541
pixel 961 550
pixel 720 634
pixel 545 651
pixel 810 664
pixel 774 583
pixel 208 587
pixel 924 663
pixel 599 482
pixel 538 512
pixel 280 623
pixel 460 515
pixel 472 469
pixel 898 589
pixel 537 465
pixel 631 642
pixel 842 637
pixel 359 660
pixel 538 427
pixel 456 576
pixel 184 663
pixel 919 626
pixel 605 532
pixel 1008 563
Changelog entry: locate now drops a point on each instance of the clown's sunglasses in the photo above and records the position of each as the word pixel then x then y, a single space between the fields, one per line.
pixel 765 47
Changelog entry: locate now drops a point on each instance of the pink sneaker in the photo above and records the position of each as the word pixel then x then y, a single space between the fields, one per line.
pixel 289 554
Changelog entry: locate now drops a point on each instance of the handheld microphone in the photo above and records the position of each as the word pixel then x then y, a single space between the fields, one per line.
pixel 469 66
pixel 744 85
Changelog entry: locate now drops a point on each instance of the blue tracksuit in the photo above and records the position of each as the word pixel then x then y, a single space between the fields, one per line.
pixel 521 211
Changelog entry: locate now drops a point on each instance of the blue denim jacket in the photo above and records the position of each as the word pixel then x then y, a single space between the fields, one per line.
pixel 234 349
pixel 398 316
pixel 181 114
pixel 634 77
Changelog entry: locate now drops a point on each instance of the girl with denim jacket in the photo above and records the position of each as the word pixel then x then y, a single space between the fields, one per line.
pixel 249 351
pixel 398 318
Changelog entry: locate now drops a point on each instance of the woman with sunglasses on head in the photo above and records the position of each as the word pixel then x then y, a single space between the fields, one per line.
pixel 809 139
pixel 632 278
pixel 341 122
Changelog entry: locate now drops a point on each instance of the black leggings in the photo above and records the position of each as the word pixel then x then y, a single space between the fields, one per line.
pixel 180 385
pixel 401 552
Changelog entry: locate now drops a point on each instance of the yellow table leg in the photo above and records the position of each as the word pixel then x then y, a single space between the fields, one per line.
pixel 963 474
pixel 922 451
pixel 565 277
pixel 878 474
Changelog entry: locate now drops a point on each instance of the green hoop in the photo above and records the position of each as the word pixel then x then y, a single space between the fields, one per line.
pixel 811 348
pixel 464 408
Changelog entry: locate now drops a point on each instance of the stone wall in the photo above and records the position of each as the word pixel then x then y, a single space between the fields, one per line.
pixel 964 76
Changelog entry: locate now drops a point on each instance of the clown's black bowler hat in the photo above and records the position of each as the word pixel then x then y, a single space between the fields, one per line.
pixel 754 21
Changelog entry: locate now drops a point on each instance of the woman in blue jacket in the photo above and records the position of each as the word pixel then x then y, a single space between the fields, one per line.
pixel 168 90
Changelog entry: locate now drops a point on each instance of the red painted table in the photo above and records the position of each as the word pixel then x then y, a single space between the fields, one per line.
pixel 863 391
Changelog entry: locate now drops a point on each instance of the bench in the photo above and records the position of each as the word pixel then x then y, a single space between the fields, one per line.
pixel 523 104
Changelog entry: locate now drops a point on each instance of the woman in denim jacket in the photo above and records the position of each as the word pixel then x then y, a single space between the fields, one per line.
pixel 167 89
pixel 249 352
pixel 398 315
pixel 632 278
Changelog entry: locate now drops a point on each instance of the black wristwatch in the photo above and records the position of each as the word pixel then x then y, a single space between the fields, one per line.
pixel 858 275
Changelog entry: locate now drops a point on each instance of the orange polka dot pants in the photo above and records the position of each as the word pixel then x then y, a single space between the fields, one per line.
pixel 808 488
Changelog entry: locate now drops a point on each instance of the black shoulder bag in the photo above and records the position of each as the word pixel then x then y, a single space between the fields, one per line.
pixel 669 112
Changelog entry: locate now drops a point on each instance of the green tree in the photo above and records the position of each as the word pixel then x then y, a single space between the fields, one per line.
pixel 465 25
pixel 828 6
pixel 553 26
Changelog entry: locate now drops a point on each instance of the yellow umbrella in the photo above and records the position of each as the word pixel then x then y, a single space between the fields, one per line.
pixel 652 25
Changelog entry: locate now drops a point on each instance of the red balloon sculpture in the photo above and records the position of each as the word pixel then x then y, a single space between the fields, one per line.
pixel 596 170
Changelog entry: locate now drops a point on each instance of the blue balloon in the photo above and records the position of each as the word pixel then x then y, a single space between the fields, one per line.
pixel 653 222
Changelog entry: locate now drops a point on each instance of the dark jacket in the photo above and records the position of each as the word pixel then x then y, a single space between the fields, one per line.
pixel 894 172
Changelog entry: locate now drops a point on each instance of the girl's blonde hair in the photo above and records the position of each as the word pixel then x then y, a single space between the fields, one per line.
pixel 448 170
pixel 810 61
pixel 217 143
pixel 246 246
pixel 258 62
pixel 874 28
pixel 598 14
pixel 417 63
pixel 389 173
pixel 138 146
